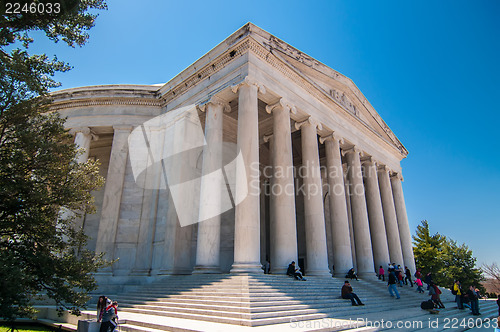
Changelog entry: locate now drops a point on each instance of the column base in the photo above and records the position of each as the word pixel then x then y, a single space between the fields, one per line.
pixel 367 275
pixel 319 273
pixel 202 269
pixel 104 274
pixel 140 272
pixel 252 268
pixel 278 271
pixel 340 275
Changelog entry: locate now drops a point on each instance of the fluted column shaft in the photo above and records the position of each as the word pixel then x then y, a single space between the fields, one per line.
pixel 317 254
pixel 404 228
pixel 144 252
pixel 247 214
pixel 113 192
pixel 342 255
pixel 391 223
pixel 375 215
pixel 208 244
pixel 361 227
pixel 284 229
pixel 83 137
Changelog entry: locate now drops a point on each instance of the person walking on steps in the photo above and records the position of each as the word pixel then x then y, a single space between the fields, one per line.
pixel 419 285
pixel 347 293
pixel 435 292
pixel 381 273
pixel 391 283
pixel 408 276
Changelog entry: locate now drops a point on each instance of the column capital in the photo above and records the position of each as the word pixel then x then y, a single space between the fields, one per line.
pixel 83 130
pixel 216 100
pixel 122 127
pixel 353 149
pixel 249 81
pixel 331 137
pixel 310 121
pixel 369 160
pixel 282 103
pixel 266 138
pixel 383 168
pixel 397 175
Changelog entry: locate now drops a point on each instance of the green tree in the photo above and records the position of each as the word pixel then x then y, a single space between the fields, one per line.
pixel 40 251
pixel 458 263
pixel 444 258
pixel 427 248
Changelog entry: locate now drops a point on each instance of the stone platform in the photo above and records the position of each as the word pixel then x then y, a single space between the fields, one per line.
pixel 275 303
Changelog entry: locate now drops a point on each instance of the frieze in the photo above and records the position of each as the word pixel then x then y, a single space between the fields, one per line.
pixel 105 102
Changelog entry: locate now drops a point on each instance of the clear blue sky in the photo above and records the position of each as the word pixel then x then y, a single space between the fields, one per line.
pixel 430 68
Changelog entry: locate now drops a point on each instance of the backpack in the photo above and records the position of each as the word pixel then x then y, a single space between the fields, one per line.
pixel 453 291
pixel 426 305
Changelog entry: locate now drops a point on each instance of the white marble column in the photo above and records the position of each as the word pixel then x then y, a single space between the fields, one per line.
pixel 404 227
pixel 375 215
pixel 316 248
pixel 113 192
pixel 208 242
pixel 284 229
pixel 247 214
pixel 83 137
pixel 149 209
pixel 342 255
pixel 391 223
pixel 362 241
pixel 349 217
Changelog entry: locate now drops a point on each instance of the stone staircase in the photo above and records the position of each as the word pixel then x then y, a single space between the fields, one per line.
pixel 270 302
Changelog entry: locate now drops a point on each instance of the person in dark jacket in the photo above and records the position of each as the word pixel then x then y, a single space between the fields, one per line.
pixel 391 283
pixel 351 274
pixel 474 301
pixel 347 293
pixel 408 276
pixel 294 272
pixel 428 280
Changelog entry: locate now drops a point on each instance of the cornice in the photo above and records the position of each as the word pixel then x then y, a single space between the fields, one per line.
pixel 104 102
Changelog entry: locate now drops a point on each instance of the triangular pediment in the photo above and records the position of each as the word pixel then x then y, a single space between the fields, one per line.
pixel 331 83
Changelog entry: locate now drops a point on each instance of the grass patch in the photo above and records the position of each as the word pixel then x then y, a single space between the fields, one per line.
pixel 23 327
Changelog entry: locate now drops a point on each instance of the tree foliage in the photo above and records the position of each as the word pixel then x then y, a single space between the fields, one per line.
pixel 444 258
pixel 41 251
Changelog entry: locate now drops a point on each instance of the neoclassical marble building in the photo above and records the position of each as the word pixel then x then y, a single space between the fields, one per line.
pixel 342 205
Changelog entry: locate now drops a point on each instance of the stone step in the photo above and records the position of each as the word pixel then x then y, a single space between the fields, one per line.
pixel 223 308
pixel 167 311
pixel 226 320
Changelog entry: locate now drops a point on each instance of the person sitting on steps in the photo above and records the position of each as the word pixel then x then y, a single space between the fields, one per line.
pixel 347 293
pixel 351 274
pixel 294 272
